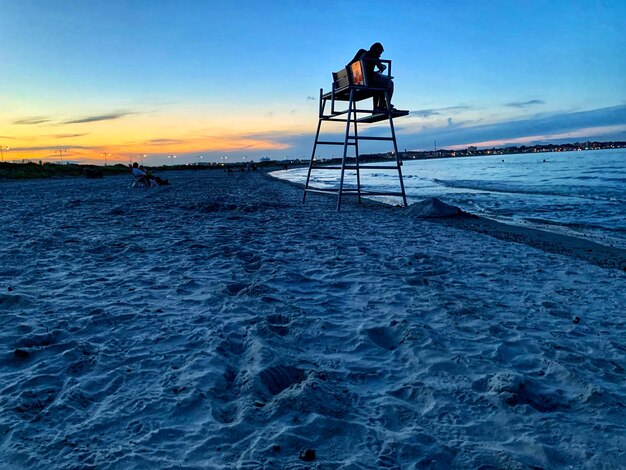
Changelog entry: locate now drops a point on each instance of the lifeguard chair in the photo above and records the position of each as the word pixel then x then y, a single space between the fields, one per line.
pixel 350 85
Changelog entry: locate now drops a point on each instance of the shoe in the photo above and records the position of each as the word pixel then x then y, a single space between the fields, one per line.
pixel 392 109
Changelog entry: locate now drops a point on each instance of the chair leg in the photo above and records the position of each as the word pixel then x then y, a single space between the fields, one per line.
pixel 395 149
pixel 317 136
pixel 356 157
pixel 345 149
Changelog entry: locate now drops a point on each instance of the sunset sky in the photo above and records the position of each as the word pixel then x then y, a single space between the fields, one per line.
pixel 239 78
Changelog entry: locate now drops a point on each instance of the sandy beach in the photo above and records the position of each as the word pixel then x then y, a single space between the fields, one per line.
pixel 220 323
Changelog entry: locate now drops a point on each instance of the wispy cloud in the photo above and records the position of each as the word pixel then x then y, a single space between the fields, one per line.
pixel 425 113
pixel 66 136
pixel 51 147
pixel 201 143
pixel 34 120
pixel 98 117
pixel 163 141
pixel 524 104
pixel 617 132
pixel 603 121
pixel 6 137
pixel 31 121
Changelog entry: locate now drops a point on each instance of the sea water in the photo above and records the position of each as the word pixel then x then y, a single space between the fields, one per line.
pixel 579 193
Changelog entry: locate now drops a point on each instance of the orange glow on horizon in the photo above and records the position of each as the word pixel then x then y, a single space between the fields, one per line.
pixel 186 130
pixel 121 153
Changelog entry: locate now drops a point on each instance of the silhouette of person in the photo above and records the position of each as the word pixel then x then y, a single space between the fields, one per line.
pixel 141 174
pixel 371 61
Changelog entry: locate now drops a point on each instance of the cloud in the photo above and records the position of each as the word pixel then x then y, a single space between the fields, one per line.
pixel 6 137
pixel 82 120
pixel 617 132
pixel 425 113
pixel 540 127
pixel 163 141
pixel 48 147
pixel 67 136
pixel 99 117
pixel 524 104
pixel 449 132
pixel 31 121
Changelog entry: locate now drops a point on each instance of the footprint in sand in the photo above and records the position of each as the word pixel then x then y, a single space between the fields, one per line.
pixel 387 337
pixel 278 323
pixel 275 379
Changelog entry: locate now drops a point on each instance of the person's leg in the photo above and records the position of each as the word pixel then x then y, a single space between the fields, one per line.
pixel 379 101
pixel 387 83
pixel 382 81
pixel 390 90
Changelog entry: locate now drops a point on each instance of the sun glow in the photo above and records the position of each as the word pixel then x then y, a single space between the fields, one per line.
pixel 159 134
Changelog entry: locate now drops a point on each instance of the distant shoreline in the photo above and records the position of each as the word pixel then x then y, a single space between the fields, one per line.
pixel 10 171
pixel 27 171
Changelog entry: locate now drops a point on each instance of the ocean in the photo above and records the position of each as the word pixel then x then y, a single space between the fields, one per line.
pixel 578 193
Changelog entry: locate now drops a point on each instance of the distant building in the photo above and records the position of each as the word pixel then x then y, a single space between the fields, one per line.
pixel 265 159
pixel 471 149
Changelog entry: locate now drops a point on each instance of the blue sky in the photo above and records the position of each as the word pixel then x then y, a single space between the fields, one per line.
pixel 241 78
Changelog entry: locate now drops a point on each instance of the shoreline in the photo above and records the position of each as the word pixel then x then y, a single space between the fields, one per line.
pixel 551 242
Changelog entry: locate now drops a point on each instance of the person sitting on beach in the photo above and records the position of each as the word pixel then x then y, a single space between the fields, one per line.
pixel 371 60
pixel 145 177
pixel 140 176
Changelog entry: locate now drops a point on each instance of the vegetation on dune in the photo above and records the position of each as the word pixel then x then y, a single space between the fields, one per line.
pixel 19 171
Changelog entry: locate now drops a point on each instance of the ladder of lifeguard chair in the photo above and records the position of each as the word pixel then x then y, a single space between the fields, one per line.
pixel 352 140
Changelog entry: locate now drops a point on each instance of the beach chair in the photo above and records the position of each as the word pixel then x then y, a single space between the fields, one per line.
pixel 350 85
pixel 140 181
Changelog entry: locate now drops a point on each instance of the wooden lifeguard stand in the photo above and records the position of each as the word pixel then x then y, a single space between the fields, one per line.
pixel 350 85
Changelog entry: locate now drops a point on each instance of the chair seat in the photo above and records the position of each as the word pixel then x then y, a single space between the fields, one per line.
pixel 360 93
pixel 376 117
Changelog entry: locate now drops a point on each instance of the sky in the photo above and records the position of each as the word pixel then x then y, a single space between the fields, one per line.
pixel 108 80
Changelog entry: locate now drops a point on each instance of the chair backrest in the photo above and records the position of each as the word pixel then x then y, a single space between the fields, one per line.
pixel 351 75
pixel 358 76
pixel 341 79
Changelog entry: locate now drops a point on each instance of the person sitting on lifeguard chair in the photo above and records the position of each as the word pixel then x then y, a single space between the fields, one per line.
pixel 371 60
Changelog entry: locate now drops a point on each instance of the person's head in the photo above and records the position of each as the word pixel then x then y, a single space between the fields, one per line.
pixel 135 165
pixel 377 48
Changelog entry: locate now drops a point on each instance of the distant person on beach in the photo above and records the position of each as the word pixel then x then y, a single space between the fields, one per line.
pixel 146 177
pixel 371 60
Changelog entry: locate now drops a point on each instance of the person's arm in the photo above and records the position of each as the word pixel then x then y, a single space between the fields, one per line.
pixel 369 57
pixel 377 63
